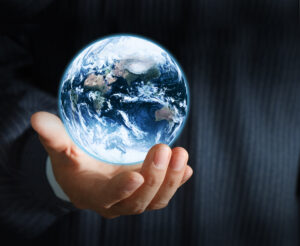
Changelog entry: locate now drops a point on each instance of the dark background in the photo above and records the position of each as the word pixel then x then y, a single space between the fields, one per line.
pixel 54 31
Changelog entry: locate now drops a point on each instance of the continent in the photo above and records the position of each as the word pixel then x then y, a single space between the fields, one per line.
pixel 100 82
pixel 96 82
pixel 118 69
pixel 135 68
pixel 130 77
pixel 165 113
pixel 110 79
pixel 97 100
pixel 152 73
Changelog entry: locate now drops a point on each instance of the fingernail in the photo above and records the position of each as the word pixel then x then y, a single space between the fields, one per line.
pixel 177 164
pixel 161 157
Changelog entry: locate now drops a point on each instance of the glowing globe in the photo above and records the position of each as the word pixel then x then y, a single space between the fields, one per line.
pixel 120 96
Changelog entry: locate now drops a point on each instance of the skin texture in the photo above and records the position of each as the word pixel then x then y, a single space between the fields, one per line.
pixel 111 190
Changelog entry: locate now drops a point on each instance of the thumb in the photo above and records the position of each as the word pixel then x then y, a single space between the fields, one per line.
pixel 51 131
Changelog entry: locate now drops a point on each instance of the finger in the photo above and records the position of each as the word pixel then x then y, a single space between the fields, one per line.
pixel 187 174
pixel 172 179
pixel 51 131
pixel 120 187
pixel 154 170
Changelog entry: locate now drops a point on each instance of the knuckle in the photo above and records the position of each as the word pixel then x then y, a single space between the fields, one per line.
pixel 137 208
pixel 123 193
pixel 133 177
pixel 171 183
pixel 158 205
pixel 152 180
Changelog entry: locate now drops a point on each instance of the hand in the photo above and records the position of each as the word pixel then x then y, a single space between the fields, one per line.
pixel 111 190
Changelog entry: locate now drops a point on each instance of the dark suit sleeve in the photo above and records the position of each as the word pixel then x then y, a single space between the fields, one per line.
pixel 27 203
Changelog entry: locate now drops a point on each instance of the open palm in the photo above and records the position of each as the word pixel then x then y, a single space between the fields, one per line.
pixel 111 190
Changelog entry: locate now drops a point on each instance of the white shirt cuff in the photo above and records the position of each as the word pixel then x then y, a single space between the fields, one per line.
pixel 53 183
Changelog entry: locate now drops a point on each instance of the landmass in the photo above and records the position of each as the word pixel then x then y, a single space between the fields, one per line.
pixel 98 101
pixel 102 84
pixel 165 113
pixel 129 69
pixel 94 81
pixel 134 68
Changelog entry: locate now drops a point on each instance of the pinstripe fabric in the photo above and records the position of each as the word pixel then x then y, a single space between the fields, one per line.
pixel 22 158
pixel 242 62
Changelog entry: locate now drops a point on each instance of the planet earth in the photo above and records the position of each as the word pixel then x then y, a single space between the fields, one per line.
pixel 121 95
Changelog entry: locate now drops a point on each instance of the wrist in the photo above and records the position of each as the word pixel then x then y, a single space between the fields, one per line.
pixel 58 191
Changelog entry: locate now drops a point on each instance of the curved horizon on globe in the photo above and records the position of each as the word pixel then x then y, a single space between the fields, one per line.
pixel 121 95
